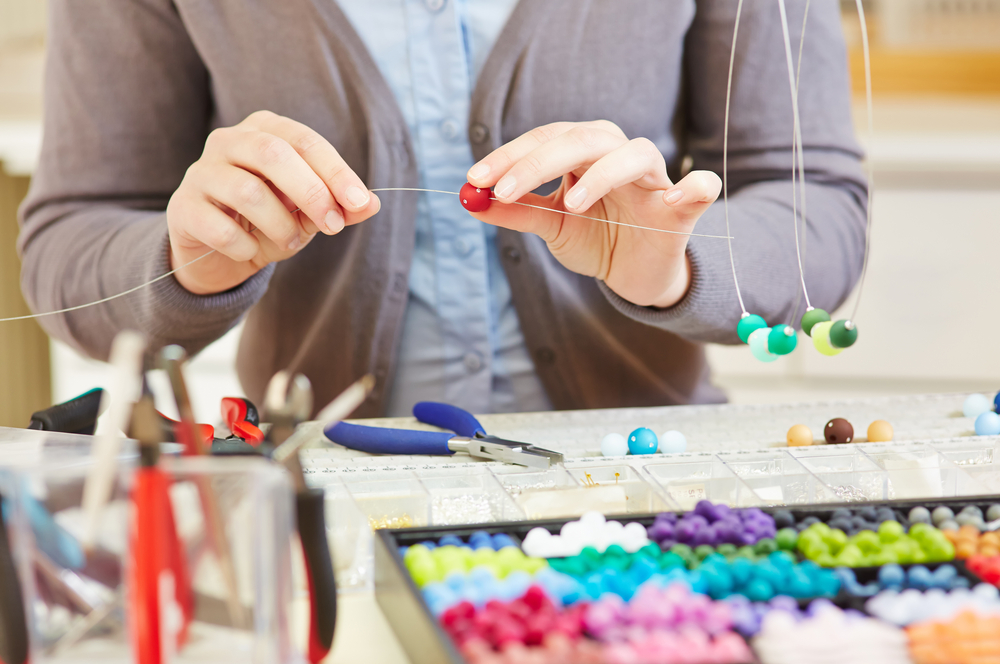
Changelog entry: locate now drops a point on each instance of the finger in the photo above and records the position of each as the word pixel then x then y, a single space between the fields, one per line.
pixel 304 222
pixel 544 223
pixel 638 161
pixel 347 188
pixel 696 191
pixel 573 149
pixel 250 196
pixel 487 172
pixel 210 226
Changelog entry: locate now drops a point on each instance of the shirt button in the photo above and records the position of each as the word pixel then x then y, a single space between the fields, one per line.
pixel 479 133
pixel 434 5
pixel 449 129
pixel 472 362
pixel 461 247
pixel 512 255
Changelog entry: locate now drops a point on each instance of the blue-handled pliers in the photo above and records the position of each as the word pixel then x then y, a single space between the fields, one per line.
pixel 469 437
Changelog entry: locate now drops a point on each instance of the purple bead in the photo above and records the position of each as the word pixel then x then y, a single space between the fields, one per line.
pixel 724 511
pixel 660 530
pixel 785 603
pixel 696 518
pixel 753 513
pixel 747 538
pixel 668 517
pixel 686 530
pixel 705 509
pixel 705 535
pixel 665 545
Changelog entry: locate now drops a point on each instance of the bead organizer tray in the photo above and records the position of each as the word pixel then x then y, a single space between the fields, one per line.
pixel 366 492
pixel 484 613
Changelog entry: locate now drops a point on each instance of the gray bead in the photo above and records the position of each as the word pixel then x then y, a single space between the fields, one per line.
pixel 948 525
pixel 941 514
pixel 993 513
pixel 922 515
pixel 966 519
pixel 972 509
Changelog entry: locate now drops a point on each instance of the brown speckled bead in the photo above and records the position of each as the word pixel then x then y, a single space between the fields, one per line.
pixel 838 430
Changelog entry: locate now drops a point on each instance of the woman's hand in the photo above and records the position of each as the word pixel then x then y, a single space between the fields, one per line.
pixel 239 199
pixel 607 176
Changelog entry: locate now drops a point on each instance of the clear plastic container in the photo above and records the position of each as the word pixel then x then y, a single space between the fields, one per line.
pixel 778 478
pixel 918 470
pixel 846 470
pixel 641 497
pixel 688 478
pixel 555 493
pixel 473 495
pixel 75 604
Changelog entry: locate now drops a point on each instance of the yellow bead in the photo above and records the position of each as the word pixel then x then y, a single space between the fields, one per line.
pixel 821 339
pixel 879 431
pixel 799 436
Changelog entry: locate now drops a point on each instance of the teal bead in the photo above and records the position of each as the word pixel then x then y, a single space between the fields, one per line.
pixel 748 324
pixel 843 334
pixel 758 345
pixel 812 317
pixel 782 340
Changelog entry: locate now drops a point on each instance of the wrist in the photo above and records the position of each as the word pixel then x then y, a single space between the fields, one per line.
pixel 677 289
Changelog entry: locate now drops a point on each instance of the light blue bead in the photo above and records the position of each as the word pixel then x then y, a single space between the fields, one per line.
pixel 480 574
pixel 758 345
pixel 975 405
pixel 919 577
pixel 891 576
pixel 456 581
pixel 614 444
pixel 988 424
pixel 642 441
pixel 501 540
pixel 943 576
pixel 673 442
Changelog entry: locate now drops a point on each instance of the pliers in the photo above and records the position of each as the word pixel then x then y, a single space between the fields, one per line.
pixel 288 402
pixel 469 437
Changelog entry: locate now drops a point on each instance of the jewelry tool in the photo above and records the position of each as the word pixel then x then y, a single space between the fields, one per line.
pixel 160 602
pixel 172 359
pixel 127 351
pixel 469 438
pixel 287 404
pixel 78 415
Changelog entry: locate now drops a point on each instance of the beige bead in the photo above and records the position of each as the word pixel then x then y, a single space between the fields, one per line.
pixel 879 431
pixel 799 436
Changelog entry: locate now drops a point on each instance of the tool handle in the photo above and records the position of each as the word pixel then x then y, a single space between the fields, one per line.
pixel 448 417
pixel 77 415
pixel 239 409
pixel 13 627
pixel 319 571
pixel 377 440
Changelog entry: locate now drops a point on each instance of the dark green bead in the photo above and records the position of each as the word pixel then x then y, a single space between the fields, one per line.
pixel 842 336
pixel 812 317
pixel 748 324
pixel 703 551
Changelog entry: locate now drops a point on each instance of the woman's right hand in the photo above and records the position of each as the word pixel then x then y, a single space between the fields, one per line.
pixel 239 197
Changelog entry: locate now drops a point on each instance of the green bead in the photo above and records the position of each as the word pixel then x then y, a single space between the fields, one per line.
pixel 703 551
pixel 746 552
pixel 727 550
pixel 781 340
pixel 765 546
pixel 890 531
pixel 615 551
pixel 787 539
pixel 652 550
pixel 812 317
pixel 821 339
pixel 843 334
pixel 670 560
pixel 593 557
pixel 748 324
pixel 836 539
pixel 682 550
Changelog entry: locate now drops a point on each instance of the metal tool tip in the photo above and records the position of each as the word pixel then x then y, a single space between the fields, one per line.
pixel 368 382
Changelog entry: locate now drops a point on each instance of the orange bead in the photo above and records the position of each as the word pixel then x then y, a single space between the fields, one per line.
pixel 990 537
pixel 799 436
pixel 968 533
pixel 991 550
pixel 965 549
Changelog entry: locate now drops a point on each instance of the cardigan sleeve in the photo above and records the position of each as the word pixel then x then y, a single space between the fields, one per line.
pixel 127 110
pixel 759 171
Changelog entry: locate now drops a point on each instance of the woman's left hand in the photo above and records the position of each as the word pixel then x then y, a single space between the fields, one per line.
pixel 607 176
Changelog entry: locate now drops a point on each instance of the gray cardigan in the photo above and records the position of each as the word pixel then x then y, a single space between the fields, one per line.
pixel 133 87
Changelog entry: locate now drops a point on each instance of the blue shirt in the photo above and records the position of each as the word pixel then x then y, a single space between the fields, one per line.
pixel 461 340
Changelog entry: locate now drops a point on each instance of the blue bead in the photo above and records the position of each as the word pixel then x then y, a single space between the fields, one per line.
pixel 642 568
pixel 920 577
pixel 996 402
pixel 480 574
pixel 891 576
pixel 450 540
pixel 642 441
pixel 430 544
pixel 403 550
pixel 988 424
pixel 501 540
pixel 943 576
pixel 742 570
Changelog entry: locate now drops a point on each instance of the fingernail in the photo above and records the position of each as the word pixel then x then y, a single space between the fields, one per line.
pixel 334 222
pixel 478 171
pixel 673 196
pixel 357 196
pixel 505 187
pixel 295 244
pixel 576 197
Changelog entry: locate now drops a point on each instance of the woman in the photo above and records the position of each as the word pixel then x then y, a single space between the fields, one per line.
pixel 175 127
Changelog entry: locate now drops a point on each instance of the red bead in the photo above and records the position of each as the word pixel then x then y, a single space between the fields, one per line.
pixel 474 199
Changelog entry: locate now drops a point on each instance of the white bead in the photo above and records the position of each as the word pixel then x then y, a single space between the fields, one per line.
pixel 614 444
pixel 673 442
